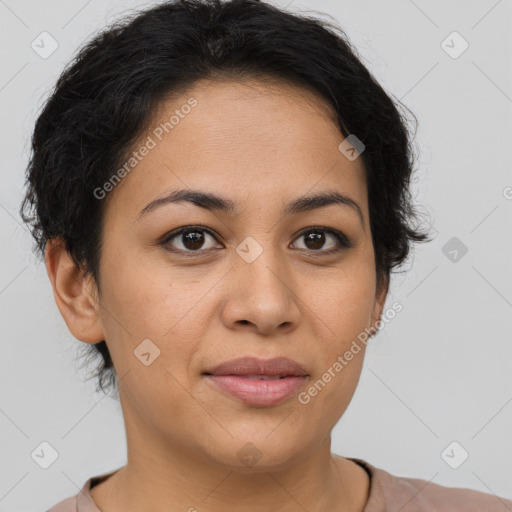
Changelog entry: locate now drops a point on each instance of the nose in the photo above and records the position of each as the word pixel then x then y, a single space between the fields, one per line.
pixel 261 295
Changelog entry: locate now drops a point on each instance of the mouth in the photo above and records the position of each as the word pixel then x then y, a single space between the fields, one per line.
pixel 258 382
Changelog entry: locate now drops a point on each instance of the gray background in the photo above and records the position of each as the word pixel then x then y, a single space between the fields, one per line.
pixel 438 372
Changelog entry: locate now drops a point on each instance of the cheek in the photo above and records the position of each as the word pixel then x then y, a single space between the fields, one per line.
pixel 146 296
pixel 329 393
pixel 138 303
pixel 344 303
pixel 343 307
pixel 147 328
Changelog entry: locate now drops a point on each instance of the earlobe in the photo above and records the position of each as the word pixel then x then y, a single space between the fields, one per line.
pixel 75 295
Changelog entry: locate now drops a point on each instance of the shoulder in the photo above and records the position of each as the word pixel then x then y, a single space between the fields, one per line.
pixel 81 502
pixel 67 505
pixel 418 495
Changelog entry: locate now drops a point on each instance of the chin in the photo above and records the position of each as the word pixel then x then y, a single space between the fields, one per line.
pixel 255 452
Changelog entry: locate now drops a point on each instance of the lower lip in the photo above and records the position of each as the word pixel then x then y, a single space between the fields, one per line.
pixel 258 391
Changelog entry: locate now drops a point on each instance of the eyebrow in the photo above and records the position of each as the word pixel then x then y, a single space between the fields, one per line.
pixel 209 201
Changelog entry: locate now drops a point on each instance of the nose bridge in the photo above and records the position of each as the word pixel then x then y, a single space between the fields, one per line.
pixel 260 263
pixel 263 293
pixel 260 294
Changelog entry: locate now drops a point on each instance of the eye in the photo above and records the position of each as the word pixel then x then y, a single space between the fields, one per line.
pixel 316 237
pixel 191 238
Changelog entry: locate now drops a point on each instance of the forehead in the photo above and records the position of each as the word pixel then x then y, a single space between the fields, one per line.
pixel 230 114
pixel 271 141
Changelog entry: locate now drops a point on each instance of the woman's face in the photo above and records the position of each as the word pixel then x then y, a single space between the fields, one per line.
pixel 253 281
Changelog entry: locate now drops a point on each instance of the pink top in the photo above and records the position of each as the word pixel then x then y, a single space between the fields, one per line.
pixel 388 493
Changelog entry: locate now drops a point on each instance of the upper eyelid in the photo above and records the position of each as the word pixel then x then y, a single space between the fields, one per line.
pixel 179 231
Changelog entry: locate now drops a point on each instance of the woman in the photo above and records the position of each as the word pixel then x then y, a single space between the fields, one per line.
pixel 220 191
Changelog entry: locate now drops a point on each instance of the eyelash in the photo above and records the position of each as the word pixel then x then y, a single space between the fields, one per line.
pixel 343 241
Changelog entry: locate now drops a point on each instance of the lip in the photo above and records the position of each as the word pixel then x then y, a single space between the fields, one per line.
pixel 280 366
pixel 281 377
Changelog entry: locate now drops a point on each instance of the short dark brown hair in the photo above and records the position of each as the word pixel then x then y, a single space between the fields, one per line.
pixel 104 99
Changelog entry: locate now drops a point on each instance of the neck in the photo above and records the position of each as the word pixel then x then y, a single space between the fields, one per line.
pixel 164 476
pixel 316 484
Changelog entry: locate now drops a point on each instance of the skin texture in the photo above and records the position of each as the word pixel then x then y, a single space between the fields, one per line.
pixel 259 145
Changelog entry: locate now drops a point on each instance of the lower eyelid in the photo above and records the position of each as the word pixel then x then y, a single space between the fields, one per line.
pixel 168 238
pixel 343 241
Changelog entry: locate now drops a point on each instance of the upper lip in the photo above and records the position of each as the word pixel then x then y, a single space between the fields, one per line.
pixel 281 366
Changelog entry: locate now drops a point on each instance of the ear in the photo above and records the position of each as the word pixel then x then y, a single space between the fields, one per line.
pixel 76 296
pixel 380 299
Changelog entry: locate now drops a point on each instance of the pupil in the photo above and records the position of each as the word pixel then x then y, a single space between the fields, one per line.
pixel 316 238
pixel 193 240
